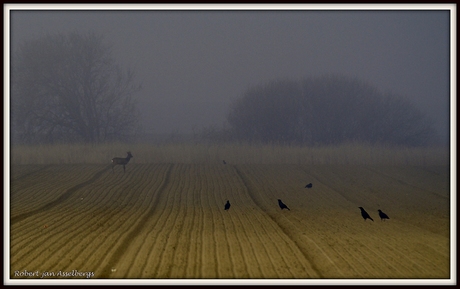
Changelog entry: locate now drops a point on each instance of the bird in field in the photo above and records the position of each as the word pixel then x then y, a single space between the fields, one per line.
pixel 224 162
pixel 365 214
pixel 227 205
pixel 282 205
pixel 309 186
pixel 383 216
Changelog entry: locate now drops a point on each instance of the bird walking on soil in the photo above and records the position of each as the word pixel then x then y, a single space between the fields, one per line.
pixel 309 186
pixel 365 214
pixel 227 205
pixel 224 162
pixel 383 216
pixel 282 205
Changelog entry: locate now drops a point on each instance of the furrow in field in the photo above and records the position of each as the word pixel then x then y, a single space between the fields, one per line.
pixel 121 209
pixel 220 178
pixel 30 194
pixel 184 263
pixel 312 228
pixel 133 262
pixel 193 246
pixel 154 256
pixel 223 188
pixel 253 248
pixel 236 260
pixel 67 225
pixel 121 219
pixel 312 252
pixel 214 233
pixel 271 262
pixel 403 215
pixel 307 265
pixel 282 260
pixel 435 192
pixel 33 188
pixel 245 240
pixel 84 223
pixel 318 204
pixel 41 224
pixel 209 267
pixel 235 243
pixel 175 225
pixel 225 268
pixel 373 187
pixel 433 179
pixel 369 189
pixel 158 262
pixel 84 200
pixel 168 221
pixel 60 199
pixel 402 263
pixel 124 242
pixel 228 188
pixel 363 238
pixel 21 172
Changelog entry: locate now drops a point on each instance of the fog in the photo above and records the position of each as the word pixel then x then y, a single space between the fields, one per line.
pixel 193 64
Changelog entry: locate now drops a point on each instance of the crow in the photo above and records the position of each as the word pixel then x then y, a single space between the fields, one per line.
pixel 227 205
pixel 309 186
pixel 224 162
pixel 383 216
pixel 282 205
pixel 365 214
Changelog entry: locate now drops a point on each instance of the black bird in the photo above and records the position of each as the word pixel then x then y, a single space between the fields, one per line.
pixel 227 205
pixel 365 214
pixel 224 162
pixel 309 186
pixel 383 216
pixel 282 205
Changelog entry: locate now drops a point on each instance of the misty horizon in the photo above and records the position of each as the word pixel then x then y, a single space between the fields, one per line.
pixel 193 64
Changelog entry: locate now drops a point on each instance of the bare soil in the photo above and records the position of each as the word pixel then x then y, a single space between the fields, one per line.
pixel 168 221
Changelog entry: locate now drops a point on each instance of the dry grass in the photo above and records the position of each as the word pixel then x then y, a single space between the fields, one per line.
pixel 189 153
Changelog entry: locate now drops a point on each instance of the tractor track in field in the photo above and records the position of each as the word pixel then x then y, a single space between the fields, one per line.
pixel 58 219
pixel 119 251
pixel 401 264
pixel 319 179
pixel 167 221
pixel 408 184
pixel 283 228
pixel 68 193
pixel 21 177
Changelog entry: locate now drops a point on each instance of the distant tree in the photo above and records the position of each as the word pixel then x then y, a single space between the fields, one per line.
pixel 68 87
pixel 326 110
pixel 267 113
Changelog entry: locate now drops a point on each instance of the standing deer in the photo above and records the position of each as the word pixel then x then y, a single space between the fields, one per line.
pixel 121 161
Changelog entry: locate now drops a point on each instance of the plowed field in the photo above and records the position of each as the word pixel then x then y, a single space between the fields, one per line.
pixel 168 221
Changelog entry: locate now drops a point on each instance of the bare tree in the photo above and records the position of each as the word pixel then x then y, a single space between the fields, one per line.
pixel 69 87
pixel 266 113
pixel 328 109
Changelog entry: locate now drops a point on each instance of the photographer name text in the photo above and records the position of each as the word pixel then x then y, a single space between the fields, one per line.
pixel 52 274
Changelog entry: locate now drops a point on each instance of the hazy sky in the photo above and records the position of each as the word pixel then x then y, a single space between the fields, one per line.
pixel 192 64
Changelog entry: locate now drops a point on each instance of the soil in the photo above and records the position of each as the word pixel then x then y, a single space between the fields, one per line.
pixel 167 221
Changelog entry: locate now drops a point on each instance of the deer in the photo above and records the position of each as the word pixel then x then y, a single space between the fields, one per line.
pixel 121 161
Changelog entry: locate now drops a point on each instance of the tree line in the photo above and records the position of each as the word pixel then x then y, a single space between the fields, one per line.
pixel 69 87
pixel 326 110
